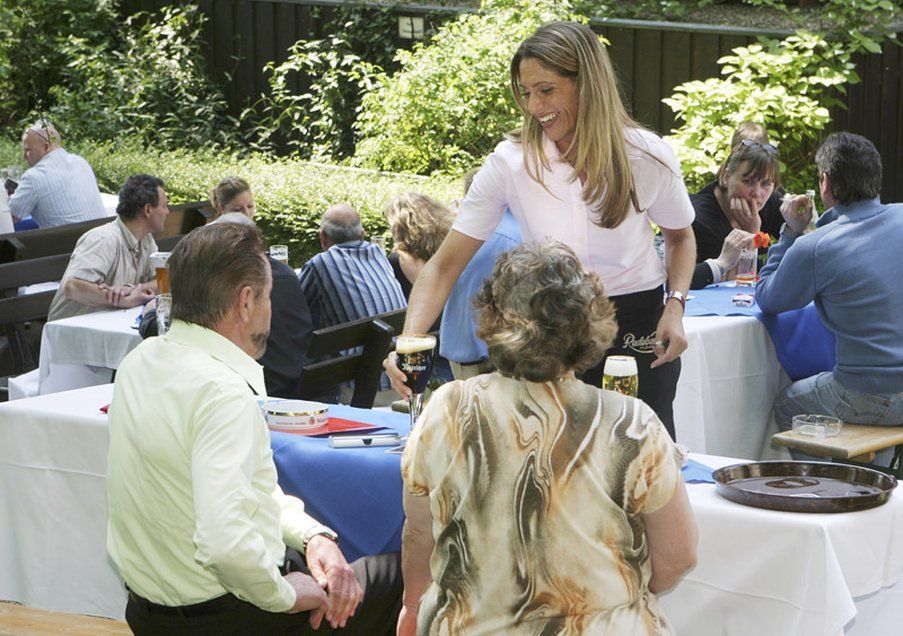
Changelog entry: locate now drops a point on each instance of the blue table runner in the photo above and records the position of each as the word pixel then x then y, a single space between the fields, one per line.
pixel 803 345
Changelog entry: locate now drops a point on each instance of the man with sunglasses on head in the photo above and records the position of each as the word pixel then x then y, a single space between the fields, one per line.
pixel 850 268
pixel 59 187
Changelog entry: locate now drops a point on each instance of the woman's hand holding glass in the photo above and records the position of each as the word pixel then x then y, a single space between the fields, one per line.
pixel 733 245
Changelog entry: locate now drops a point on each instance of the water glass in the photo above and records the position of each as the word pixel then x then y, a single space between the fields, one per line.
pixel 279 253
pixel 164 306
pixel 747 267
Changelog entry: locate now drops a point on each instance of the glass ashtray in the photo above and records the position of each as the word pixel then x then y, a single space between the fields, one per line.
pixel 817 425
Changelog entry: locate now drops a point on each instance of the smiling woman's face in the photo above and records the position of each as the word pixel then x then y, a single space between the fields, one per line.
pixel 551 99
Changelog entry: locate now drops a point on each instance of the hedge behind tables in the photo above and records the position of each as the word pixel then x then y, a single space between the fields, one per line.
pixel 290 195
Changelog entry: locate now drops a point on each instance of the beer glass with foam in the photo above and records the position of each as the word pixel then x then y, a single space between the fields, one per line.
pixel 415 359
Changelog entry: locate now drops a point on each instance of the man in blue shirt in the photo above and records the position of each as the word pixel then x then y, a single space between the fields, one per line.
pixel 351 278
pixel 850 268
pixel 459 343
pixel 58 188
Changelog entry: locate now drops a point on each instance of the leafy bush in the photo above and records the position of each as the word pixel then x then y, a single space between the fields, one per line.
pixel 449 103
pixel 32 36
pixel 149 85
pixel 290 195
pixel 318 123
pixel 788 86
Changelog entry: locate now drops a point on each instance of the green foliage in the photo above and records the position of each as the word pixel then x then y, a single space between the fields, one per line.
pixel 290 195
pixel 640 9
pixel 862 24
pixel 149 85
pixel 32 35
pixel 318 122
pixel 449 103
pixel 788 86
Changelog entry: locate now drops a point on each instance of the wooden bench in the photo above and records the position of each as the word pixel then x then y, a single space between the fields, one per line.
pixel 855 443
pixel 50 241
pixel 19 619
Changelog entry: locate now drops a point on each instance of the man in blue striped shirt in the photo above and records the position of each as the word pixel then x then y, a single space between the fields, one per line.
pixel 351 278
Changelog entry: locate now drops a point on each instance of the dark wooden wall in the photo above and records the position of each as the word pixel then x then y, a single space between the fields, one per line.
pixel 650 59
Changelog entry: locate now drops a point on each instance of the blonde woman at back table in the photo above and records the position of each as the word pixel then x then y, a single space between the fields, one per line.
pixel 233 194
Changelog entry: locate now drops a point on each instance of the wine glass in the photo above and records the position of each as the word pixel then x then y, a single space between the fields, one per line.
pixel 415 359
pixel 620 375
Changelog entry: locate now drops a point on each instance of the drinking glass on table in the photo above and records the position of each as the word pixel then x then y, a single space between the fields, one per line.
pixel 158 260
pixel 415 359
pixel 279 253
pixel 164 305
pixel 620 375
pixel 747 266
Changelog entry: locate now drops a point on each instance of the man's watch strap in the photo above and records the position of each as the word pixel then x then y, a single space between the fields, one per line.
pixel 318 531
pixel 789 231
pixel 677 296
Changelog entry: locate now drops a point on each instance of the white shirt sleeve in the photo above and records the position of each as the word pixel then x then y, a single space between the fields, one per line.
pixel 483 207
pixel 660 185
pixel 25 199
pixel 228 541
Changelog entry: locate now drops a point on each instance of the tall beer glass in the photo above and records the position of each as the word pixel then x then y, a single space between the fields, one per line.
pixel 415 359
pixel 620 375
pixel 158 260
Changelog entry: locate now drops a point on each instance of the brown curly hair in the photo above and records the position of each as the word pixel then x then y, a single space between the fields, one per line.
pixel 419 224
pixel 541 314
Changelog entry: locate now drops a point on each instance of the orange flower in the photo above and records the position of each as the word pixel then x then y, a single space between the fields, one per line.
pixel 762 239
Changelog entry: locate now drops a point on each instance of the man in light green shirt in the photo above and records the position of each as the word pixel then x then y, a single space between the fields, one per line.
pixel 198 525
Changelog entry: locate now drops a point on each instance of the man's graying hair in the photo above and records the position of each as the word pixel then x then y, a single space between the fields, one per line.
pixel 853 166
pixel 339 233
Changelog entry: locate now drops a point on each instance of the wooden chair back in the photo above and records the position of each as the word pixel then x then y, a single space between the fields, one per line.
pixel 15 312
pixel 374 337
pixel 37 270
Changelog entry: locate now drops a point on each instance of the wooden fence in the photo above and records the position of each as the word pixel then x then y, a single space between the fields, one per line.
pixel 651 58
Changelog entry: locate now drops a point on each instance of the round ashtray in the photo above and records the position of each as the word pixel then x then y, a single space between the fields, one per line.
pixel 817 425
pixel 297 414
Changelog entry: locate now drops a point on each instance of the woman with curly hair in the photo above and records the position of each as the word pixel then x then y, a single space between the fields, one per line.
pixel 418 224
pixel 581 171
pixel 535 503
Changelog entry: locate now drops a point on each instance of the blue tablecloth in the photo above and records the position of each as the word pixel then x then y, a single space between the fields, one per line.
pixel 803 345
pixel 355 491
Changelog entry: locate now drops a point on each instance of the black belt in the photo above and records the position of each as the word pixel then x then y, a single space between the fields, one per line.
pixel 213 606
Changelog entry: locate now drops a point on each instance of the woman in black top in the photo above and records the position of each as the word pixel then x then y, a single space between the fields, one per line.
pixel 744 198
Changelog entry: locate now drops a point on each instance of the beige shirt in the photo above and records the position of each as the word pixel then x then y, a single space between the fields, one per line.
pixel 193 504
pixel 106 254
pixel 537 492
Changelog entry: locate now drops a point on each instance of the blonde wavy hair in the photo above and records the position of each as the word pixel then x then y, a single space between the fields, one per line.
pixel 541 314
pixel 419 224
pixel 599 148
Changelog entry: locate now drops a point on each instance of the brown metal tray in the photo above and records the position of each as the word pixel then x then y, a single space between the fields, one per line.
pixel 804 486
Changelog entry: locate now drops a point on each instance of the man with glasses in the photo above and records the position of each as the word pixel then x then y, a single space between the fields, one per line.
pixel 850 268
pixel 59 187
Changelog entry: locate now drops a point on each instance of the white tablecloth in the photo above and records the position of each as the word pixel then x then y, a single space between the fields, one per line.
pixel 758 572
pixel 83 350
pixel 729 377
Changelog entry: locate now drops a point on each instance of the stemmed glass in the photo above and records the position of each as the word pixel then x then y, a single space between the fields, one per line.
pixel 415 359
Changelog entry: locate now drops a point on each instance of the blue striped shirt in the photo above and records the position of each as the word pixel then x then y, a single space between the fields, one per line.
pixel 350 281
pixel 59 189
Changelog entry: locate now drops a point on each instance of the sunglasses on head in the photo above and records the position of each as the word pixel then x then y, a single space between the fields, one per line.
pixel 752 143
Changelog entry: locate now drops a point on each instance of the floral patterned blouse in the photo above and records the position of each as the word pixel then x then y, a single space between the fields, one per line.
pixel 537 492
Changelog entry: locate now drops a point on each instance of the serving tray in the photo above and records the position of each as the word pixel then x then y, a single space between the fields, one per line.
pixel 804 486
